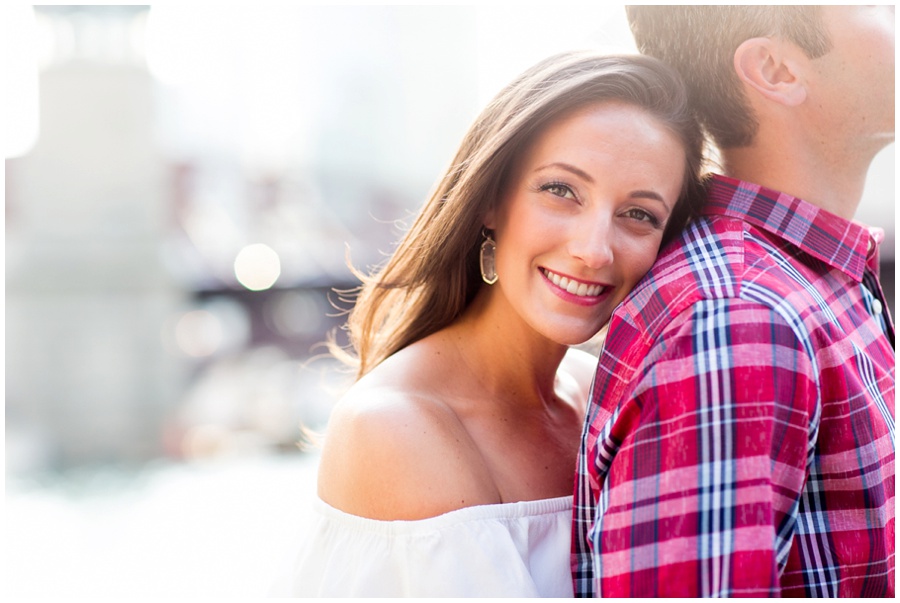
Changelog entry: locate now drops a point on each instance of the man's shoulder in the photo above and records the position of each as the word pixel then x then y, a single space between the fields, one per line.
pixel 707 260
pixel 708 243
pixel 714 259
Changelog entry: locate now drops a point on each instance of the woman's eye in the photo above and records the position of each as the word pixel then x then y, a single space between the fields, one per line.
pixel 558 189
pixel 642 216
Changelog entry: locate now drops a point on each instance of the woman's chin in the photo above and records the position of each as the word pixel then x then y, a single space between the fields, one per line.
pixel 572 337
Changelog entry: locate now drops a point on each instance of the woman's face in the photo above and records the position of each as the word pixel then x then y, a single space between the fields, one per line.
pixel 582 216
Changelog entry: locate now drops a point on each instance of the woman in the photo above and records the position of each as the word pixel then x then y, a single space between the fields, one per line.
pixel 448 466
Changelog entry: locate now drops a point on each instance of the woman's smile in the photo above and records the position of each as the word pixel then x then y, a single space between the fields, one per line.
pixel 570 289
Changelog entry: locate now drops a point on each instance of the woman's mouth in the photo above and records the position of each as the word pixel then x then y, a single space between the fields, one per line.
pixel 574 287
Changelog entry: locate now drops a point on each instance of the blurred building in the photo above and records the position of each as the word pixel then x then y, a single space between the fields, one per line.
pixel 86 376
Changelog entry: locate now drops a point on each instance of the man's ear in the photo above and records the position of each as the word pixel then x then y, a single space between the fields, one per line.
pixel 770 68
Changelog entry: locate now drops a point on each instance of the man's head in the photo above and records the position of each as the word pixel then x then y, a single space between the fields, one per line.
pixel 709 46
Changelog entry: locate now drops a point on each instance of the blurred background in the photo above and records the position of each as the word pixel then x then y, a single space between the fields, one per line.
pixel 184 185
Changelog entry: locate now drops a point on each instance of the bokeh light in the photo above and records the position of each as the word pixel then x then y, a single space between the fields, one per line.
pixel 257 267
pixel 199 333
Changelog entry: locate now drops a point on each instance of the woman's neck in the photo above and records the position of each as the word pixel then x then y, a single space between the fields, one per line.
pixel 510 360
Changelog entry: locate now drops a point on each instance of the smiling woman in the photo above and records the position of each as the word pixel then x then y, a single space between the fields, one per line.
pixel 448 466
pixel 582 217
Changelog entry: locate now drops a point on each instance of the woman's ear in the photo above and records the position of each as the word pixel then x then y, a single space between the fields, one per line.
pixel 772 69
pixel 490 219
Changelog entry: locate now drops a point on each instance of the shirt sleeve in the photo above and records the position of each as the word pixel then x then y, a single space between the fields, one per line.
pixel 701 497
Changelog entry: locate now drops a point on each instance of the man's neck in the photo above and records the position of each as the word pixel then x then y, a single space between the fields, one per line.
pixel 837 192
pixel 835 185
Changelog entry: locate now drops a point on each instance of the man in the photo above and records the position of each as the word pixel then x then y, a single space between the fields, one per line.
pixel 739 439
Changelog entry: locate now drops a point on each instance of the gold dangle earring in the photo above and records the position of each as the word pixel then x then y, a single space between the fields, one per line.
pixel 488 263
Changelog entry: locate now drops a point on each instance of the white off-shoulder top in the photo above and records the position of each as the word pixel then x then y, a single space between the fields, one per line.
pixel 516 549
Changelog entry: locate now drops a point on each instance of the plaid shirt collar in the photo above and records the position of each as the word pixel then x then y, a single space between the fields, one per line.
pixel 847 246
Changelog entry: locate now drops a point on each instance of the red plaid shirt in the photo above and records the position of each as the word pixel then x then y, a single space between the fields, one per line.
pixel 739 439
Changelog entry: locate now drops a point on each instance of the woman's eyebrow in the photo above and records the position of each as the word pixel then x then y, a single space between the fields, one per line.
pixel 643 194
pixel 568 167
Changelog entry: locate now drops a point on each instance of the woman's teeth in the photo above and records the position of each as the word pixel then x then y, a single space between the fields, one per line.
pixel 573 287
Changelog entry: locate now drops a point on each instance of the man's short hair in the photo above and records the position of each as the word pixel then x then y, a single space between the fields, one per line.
pixel 699 42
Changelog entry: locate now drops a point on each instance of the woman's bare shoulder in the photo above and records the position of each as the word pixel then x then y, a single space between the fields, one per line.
pixel 397 451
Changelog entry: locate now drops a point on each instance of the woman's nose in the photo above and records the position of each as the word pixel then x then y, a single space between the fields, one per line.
pixel 592 241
